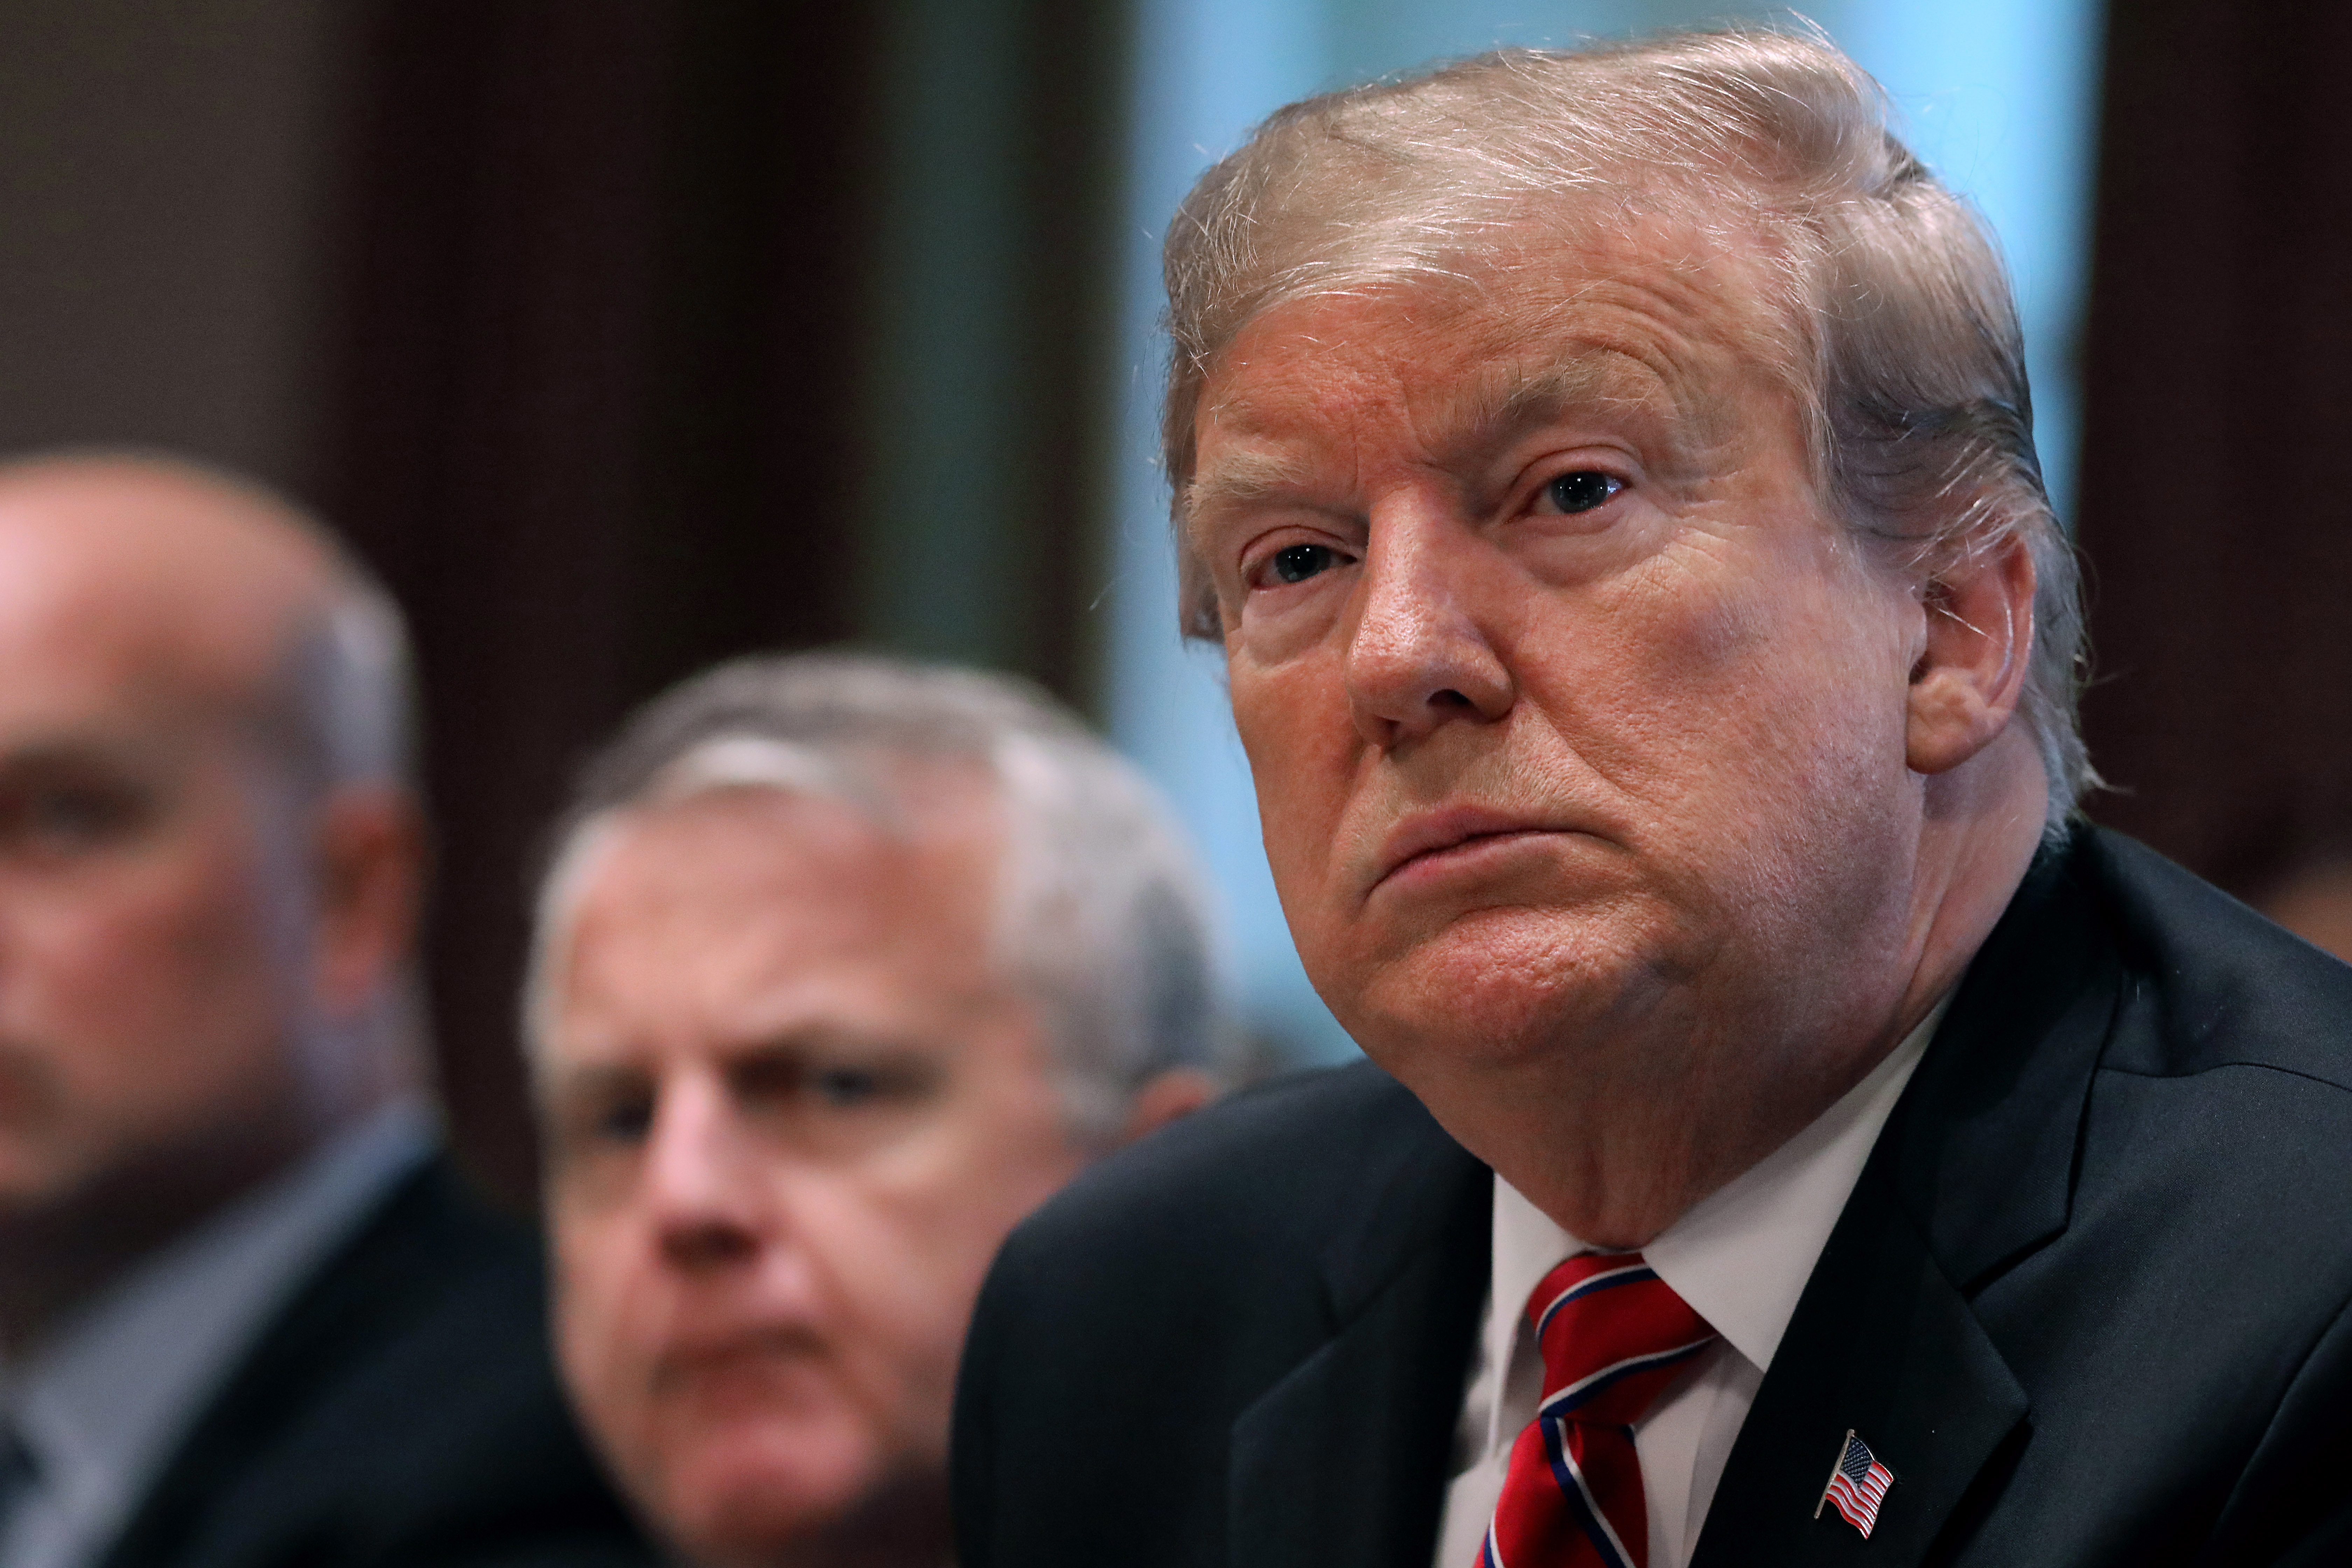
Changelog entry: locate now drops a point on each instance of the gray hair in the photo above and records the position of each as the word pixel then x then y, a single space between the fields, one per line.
pixel 1896 330
pixel 347 705
pixel 1101 914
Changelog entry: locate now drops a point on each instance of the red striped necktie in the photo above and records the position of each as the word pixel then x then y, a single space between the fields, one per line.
pixel 1613 1335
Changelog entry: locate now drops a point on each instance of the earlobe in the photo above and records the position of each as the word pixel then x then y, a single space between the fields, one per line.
pixel 1970 670
pixel 1177 1092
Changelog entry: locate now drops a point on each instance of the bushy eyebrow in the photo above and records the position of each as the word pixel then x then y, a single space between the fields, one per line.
pixel 77 752
pixel 1237 481
pixel 1503 403
pixel 559 1078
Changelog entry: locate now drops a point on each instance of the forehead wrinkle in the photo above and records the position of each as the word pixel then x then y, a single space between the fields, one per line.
pixel 1500 402
pixel 1629 330
pixel 1686 375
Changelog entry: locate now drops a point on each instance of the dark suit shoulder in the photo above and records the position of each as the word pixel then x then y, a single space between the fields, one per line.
pixel 1274 1164
pixel 1179 1287
pixel 2091 1286
pixel 401 1408
pixel 1225 1226
pixel 2211 984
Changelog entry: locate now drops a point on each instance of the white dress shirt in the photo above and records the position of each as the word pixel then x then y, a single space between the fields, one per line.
pixel 1740 1258
pixel 102 1401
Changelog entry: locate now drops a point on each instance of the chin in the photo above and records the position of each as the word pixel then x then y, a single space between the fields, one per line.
pixel 744 1497
pixel 1494 987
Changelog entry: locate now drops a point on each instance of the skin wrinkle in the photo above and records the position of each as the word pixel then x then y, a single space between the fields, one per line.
pixel 1711 689
pixel 1521 393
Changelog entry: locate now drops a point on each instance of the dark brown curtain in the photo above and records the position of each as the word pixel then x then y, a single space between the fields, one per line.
pixel 604 319
pixel 2216 467
pixel 601 262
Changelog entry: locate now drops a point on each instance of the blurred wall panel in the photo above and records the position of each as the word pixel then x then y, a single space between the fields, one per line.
pixel 162 169
pixel 1002 128
pixel 2216 477
pixel 600 266
pixel 673 329
pixel 620 335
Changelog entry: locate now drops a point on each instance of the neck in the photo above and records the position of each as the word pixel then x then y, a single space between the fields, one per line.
pixel 904 1525
pixel 58 1256
pixel 1617 1143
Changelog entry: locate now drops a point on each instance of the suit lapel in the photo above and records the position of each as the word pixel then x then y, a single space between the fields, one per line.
pixel 1972 1172
pixel 1344 1460
pixel 1883 1346
pixel 419 1236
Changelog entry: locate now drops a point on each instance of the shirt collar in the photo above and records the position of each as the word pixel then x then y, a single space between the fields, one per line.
pixel 1741 1256
pixel 100 1402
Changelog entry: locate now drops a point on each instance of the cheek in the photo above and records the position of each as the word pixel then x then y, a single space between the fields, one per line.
pixel 156 985
pixel 1296 731
pixel 1743 688
pixel 603 1267
pixel 610 1308
pixel 908 1251
pixel 1762 748
pixel 734 1463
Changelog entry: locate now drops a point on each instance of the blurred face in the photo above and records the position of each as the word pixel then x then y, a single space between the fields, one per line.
pixel 791 1109
pixel 1577 727
pixel 143 1072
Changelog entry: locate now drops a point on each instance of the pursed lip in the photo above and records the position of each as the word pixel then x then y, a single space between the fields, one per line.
pixel 1418 839
pixel 714 1349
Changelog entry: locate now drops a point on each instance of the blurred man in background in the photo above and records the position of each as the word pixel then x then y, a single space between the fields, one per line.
pixel 247 1315
pixel 843 967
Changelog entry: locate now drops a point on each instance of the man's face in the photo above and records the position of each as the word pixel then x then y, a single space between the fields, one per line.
pixel 1577 727
pixel 793 1107
pixel 143 963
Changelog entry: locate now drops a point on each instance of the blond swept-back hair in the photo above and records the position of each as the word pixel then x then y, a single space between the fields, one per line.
pixel 1891 316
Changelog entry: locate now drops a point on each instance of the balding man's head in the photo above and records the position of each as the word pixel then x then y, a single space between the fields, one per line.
pixel 207 590
pixel 208 855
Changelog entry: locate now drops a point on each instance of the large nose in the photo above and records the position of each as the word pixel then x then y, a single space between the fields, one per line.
pixel 702 1177
pixel 1419 656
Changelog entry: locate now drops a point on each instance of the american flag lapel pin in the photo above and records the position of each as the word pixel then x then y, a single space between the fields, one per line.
pixel 1858 1482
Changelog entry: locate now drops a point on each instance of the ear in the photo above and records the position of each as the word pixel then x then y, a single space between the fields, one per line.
pixel 369 870
pixel 1976 644
pixel 1179 1092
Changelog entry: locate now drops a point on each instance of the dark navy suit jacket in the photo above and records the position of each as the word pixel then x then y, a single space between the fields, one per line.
pixel 2088 1300
pixel 401 1412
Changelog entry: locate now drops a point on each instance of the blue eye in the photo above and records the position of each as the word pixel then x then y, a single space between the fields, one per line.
pixel 1581 491
pixel 1300 562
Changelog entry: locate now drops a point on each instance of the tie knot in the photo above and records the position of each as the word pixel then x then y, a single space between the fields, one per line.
pixel 1613 1336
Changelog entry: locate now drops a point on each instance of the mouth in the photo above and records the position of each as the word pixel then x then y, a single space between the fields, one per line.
pixel 703 1357
pixel 1438 841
